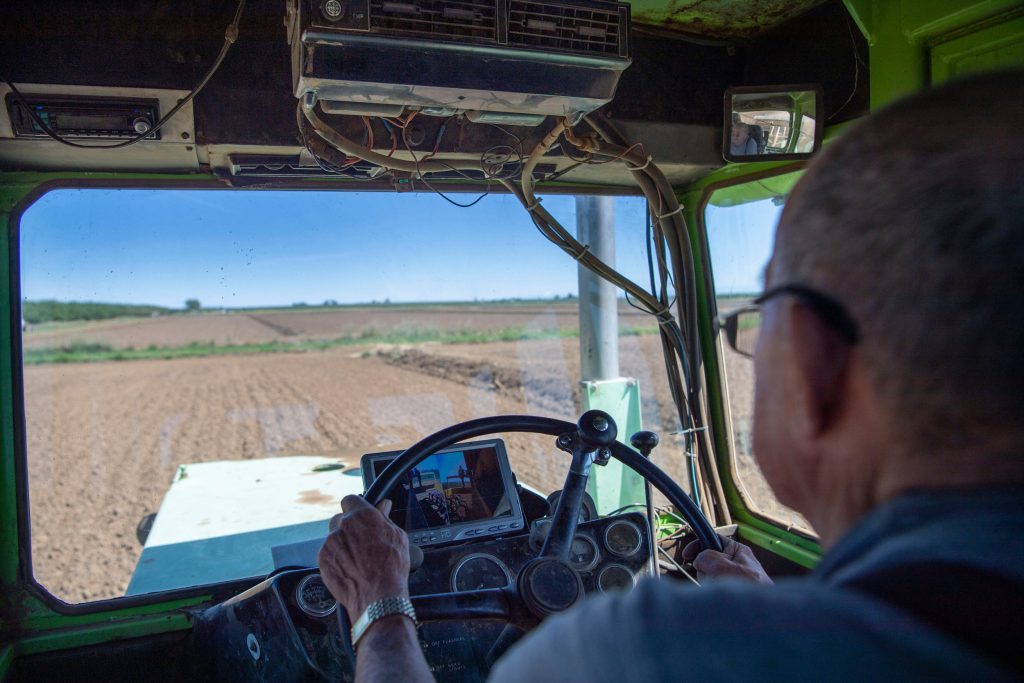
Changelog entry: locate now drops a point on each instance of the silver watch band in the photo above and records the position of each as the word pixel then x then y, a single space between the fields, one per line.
pixel 384 607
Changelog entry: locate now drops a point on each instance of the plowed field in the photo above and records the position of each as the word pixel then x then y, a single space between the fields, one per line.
pixel 104 439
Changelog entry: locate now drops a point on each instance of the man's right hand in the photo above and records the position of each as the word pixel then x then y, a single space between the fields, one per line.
pixel 365 557
pixel 736 560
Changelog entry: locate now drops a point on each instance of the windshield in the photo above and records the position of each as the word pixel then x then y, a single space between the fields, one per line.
pixel 210 365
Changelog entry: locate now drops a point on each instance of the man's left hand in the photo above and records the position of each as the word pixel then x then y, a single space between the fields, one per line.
pixel 365 557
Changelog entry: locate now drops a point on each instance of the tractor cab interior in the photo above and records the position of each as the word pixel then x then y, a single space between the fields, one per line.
pixel 469 256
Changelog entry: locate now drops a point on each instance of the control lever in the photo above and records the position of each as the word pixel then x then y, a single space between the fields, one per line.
pixel 645 442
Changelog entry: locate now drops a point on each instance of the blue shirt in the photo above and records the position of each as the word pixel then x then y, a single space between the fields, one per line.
pixel 814 627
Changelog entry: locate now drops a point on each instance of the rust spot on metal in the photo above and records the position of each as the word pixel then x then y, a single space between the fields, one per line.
pixel 315 497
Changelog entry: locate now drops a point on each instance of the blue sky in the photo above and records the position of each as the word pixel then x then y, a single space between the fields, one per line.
pixel 274 248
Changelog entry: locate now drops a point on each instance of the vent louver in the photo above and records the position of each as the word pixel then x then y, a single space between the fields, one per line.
pixel 467 20
pixel 527 58
pixel 566 28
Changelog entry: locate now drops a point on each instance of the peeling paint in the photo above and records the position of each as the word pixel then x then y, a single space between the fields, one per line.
pixel 720 18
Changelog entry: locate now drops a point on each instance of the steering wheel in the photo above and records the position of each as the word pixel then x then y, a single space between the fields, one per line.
pixel 546 584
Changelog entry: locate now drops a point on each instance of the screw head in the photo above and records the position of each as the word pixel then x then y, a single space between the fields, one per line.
pixel 600 424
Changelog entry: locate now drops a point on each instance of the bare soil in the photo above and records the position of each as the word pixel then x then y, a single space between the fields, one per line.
pixel 299 324
pixel 105 439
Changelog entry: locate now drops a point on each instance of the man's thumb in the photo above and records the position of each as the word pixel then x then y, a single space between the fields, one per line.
pixel 711 562
pixel 385 507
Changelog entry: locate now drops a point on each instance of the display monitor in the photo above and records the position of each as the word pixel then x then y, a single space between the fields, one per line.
pixel 465 491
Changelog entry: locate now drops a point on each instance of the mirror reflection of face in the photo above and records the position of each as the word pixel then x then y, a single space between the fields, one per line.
pixel 740 133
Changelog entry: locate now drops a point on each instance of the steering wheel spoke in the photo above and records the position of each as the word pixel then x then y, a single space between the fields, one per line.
pixel 487 603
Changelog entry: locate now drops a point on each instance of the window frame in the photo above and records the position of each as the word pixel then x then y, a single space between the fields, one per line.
pixel 177 598
pixel 760 528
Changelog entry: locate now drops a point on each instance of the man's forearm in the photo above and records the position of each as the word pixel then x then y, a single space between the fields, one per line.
pixel 390 651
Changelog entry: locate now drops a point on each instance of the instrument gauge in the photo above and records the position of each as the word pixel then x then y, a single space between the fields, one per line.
pixel 479 571
pixel 313 597
pixel 623 538
pixel 615 577
pixel 583 553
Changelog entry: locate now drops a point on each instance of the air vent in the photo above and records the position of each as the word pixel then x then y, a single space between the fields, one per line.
pixel 567 28
pixel 464 20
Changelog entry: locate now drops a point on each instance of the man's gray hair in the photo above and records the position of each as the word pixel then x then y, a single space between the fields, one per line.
pixel 914 219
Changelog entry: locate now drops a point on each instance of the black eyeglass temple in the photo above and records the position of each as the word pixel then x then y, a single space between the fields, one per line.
pixel 833 312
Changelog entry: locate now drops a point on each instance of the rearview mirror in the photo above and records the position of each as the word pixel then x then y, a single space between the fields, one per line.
pixel 772 123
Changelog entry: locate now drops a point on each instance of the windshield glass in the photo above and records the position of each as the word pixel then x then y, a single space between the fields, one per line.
pixel 741 222
pixel 210 365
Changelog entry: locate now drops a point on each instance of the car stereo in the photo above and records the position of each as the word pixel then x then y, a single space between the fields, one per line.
pixel 462 492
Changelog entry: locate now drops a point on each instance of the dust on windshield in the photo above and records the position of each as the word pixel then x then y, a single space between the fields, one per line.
pixel 205 364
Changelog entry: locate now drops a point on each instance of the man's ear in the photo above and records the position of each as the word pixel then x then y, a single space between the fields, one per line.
pixel 819 365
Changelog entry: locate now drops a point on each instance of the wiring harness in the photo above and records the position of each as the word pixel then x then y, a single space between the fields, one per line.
pixel 672 296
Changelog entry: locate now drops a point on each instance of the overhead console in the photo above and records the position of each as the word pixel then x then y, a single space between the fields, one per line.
pixel 463 492
pixel 502 61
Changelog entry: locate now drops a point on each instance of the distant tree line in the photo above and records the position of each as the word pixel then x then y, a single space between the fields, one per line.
pixel 47 310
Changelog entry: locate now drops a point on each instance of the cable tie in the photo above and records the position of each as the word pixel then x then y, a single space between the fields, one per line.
pixel 670 213
pixel 692 430
pixel 664 316
pixel 586 250
pixel 646 164
pixel 532 207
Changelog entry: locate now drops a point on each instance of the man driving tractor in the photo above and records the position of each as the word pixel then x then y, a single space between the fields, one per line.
pixel 887 412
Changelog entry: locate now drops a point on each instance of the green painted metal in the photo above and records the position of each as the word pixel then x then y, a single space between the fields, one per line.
pixel 614 486
pixel 901 34
pixel 29 623
pixel 719 18
pixel 6 659
pixel 137 627
pixel 784 542
pixel 755 190
pixel 780 545
pixel 1000 45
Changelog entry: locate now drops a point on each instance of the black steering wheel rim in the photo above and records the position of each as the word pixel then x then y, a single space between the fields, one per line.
pixel 429 445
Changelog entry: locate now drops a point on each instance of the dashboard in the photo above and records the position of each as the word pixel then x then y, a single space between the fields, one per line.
pixel 288 628
pixel 477 529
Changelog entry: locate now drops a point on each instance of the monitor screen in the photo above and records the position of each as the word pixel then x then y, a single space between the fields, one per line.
pixel 464 491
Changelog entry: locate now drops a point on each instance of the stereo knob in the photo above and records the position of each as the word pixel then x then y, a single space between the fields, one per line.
pixel 141 125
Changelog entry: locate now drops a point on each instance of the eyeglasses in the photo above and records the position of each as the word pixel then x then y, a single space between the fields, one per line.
pixel 743 324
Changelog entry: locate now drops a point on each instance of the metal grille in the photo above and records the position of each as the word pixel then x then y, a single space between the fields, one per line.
pixel 565 28
pixel 473 20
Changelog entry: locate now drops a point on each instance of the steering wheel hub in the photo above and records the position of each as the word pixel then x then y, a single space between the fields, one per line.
pixel 548 585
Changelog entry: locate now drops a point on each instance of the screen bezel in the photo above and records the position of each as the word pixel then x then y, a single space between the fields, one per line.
pixel 461 531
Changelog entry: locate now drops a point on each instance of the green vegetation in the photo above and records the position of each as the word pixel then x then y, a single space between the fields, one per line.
pixel 91 353
pixel 49 310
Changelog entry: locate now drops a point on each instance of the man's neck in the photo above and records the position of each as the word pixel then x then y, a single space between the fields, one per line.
pixel 852 497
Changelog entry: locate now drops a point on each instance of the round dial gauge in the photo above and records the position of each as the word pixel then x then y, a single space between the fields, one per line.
pixel 615 577
pixel 313 597
pixel 622 538
pixel 478 571
pixel 582 553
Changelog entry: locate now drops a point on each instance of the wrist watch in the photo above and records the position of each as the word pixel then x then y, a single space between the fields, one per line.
pixel 379 609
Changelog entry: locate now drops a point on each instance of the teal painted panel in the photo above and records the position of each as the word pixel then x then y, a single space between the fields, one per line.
pixel 614 486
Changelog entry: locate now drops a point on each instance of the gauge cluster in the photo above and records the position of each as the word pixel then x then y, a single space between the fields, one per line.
pixel 609 554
